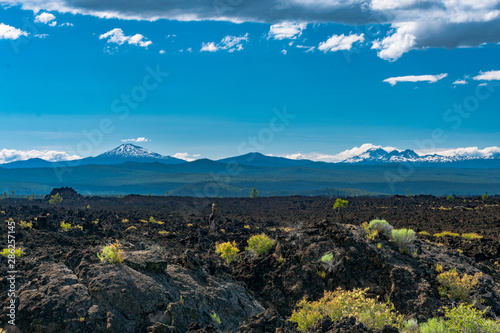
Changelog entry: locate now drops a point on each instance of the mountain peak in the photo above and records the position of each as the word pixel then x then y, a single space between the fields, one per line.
pixel 129 150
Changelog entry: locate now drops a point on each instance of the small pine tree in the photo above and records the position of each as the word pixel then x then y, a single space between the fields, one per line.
pixel 13 193
pixel 254 194
pixel 450 198
pixel 5 195
pixel 338 205
pixel 485 196
pixel 55 199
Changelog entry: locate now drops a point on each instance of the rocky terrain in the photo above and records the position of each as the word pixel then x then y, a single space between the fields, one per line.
pixel 172 280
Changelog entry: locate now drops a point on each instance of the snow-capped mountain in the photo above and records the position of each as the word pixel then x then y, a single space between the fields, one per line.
pixel 132 153
pixel 379 155
pixel 124 153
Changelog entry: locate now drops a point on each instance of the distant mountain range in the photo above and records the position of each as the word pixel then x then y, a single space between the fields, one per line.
pixel 122 154
pixel 133 169
pixel 379 155
pixel 374 156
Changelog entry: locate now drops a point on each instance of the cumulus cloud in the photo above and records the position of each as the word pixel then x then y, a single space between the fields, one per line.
pixel 414 24
pixel 186 156
pixel 229 43
pixel 286 30
pixel 393 46
pixel 8 32
pixel 460 82
pixel 415 78
pixel 45 18
pixel 464 152
pixel 141 139
pixel 488 76
pixel 340 42
pixel 342 156
pixel 117 36
pixel 12 155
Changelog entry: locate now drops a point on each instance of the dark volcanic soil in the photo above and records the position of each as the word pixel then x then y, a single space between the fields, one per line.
pixel 174 281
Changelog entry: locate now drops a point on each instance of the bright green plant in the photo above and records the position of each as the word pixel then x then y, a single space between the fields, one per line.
pixel 152 219
pixel 454 286
pixel 342 304
pixel 215 317
pixel 464 318
pixel 227 251
pixel 111 254
pixel 338 205
pixel 410 326
pixel 26 225
pixel 65 226
pixel 254 194
pixel 382 226
pixel 259 244
pixel 471 236
pixel 433 325
pixel 403 239
pixel 17 252
pixel 327 257
pixel 446 233
pixel 450 198
pixel 485 196
pixel 55 199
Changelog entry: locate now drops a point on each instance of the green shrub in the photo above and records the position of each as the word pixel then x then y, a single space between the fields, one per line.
pixel 464 318
pixel 450 198
pixel 446 233
pixel 434 325
pixel 382 226
pixel 454 286
pixel 471 236
pixel 65 226
pixel 26 225
pixel 403 239
pixel 339 203
pixel 259 244
pixel 410 326
pixel 17 252
pixel 485 196
pixel 111 254
pixel 55 199
pixel 327 257
pixel 342 304
pixel 215 317
pixel 227 251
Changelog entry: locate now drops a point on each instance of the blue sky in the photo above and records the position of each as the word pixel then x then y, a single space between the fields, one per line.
pixel 344 78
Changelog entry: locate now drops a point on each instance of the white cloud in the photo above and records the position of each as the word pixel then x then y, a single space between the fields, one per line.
pixel 12 155
pixel 284 51
pixel 117 36
pixel 342 156
pixel 209 47
pixel 44 18
pixel 41 36
pixel 286 30
pixel 309 48
pixel 8 32
pixel 488 76
pixel 461 152
pixel 415 78
pixel 393 46
pixel 229 43
pixel 186 156
pixel 162 52
pixel 66 24
pixel 141 139
pixel 460 82
pixel 340 42
pixel 416 24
